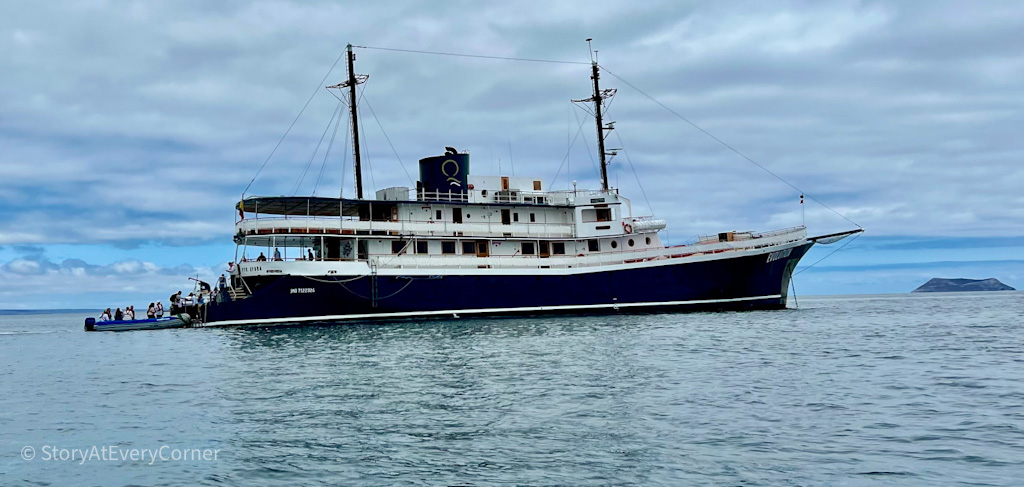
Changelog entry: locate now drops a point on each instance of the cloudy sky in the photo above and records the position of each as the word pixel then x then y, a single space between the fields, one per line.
pixel 129 129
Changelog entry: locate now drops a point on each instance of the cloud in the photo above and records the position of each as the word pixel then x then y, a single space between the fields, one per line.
pixel 75 283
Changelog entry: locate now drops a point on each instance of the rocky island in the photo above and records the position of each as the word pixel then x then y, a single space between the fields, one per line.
pixel 940 285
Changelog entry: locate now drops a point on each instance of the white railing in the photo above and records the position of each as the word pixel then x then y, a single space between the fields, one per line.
pixel 457 261
pixel 425 228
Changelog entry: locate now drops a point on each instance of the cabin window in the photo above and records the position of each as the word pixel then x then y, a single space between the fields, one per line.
pixel 630 242
pixel 438 215
pixel 604 214
pixel 533 218
pixel 540 200
pixel 468 248
pixel 421 247
pixel 594 245
pixel 483 193
pixel 456 215
pixel 506 217
pixel 558 248
pixel 528 248
pixel 536 185
pixel 398 246
pixel 615 244
pixel 648 240
pixel 515 217
pixel 448 247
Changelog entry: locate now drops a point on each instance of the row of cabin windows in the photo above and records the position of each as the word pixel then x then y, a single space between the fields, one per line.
pixel 507 217
pixel 480 248
pixel 471 247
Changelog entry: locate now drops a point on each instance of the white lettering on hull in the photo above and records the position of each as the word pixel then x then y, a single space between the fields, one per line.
pixel 779 254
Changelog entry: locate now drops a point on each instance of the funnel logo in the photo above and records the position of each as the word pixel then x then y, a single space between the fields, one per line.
pixel 451 171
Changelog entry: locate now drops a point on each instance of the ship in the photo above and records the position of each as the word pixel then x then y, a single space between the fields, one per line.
pixel 461 245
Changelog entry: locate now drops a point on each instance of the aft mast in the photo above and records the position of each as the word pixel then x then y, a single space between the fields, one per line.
pixel 353 80
pixel 598 100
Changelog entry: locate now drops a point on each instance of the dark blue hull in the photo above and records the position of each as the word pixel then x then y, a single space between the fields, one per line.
pixel 750 282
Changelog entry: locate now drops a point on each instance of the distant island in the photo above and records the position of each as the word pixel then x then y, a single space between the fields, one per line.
pixel 939 285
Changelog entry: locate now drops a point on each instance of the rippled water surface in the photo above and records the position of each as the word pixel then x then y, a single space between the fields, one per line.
pixel 872 390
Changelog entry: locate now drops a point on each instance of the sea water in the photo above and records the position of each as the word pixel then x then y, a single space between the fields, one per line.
pixel 861 390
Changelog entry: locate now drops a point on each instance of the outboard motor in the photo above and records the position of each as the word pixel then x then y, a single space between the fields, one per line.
pixel 90 324
pixel 444 178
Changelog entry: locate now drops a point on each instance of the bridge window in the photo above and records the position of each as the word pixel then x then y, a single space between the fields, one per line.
pixel 604 214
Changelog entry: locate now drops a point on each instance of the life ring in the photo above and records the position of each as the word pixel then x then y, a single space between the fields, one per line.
pixel 627 227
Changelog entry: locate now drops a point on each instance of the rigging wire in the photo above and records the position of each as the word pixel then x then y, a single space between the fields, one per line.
pixel 568 151
pixel 366 148
pixel 726 145
pixel 329 71
pixel 848 242
pixel 793 285
pixel 366 101
pixel 312 156
pixel 585 144
pixel 635 175
pixel 327 153
pixel 510 156
pixel 344 161
pixel 479 56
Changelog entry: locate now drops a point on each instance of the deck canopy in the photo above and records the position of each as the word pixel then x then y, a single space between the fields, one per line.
pixel 303 205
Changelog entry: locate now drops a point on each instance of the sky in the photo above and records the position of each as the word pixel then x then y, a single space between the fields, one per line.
pixel 128 130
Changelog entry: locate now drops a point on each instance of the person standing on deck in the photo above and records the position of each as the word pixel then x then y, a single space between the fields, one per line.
pixel 277 254
pixel 310 254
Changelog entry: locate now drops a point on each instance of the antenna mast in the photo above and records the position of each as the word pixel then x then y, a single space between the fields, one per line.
pixel 353 80
pixel 598 99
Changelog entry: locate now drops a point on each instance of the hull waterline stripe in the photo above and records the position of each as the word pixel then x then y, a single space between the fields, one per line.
pixel 413 314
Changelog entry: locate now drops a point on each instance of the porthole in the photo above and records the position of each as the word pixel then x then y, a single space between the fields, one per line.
pixel 648 240
pixel 630 242
pixel 615 244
